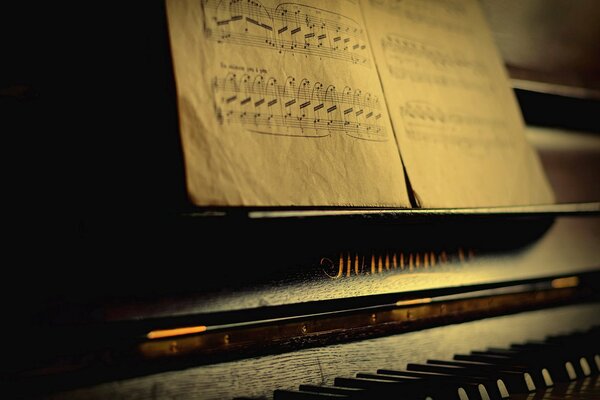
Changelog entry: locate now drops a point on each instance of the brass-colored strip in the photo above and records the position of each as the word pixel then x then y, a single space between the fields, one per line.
pixel 164 333
pixel 570 281
pixel 408 315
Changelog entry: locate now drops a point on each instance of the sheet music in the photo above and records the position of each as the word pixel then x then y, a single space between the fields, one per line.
pixel 456 120
pixel 280 104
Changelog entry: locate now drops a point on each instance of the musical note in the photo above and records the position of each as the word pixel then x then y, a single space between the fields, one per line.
pixel 304 109
pixel 291 28
pixel 428 123
pixel 418 62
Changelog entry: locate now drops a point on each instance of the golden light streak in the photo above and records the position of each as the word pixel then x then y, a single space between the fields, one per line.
pixel 163 333
pixel 348 265
pixel 373 264
pixel 412 302
pixel 570 281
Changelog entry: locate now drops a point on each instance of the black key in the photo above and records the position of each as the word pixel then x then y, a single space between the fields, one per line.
pixel 584 352
pixel 353 393
pixel 539 373
pixel 560 367
pixel 412 387
pixel 384 389
pixel 584 347
pixel 553 353
pixel 421 389
pixel 517 380
pixel 440 385
pixel 280 394
pixel 494 382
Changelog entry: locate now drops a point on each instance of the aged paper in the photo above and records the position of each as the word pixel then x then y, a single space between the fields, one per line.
pixel 456 120
pixel 280 104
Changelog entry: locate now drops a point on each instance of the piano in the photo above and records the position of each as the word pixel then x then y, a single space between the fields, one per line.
pixel 167 300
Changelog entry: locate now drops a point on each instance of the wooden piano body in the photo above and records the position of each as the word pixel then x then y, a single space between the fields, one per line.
pixel 175 301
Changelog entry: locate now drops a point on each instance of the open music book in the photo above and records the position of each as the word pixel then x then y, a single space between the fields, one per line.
pixel 347 103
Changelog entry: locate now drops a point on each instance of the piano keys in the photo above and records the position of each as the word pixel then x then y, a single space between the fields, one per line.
pixel 546 368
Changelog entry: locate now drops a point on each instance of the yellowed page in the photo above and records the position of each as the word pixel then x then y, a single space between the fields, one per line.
pixel 457 123
pixel 280 104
